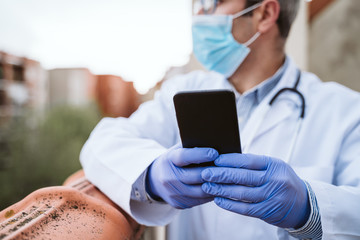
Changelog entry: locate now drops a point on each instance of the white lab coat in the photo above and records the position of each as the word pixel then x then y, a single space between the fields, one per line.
pixel 327 155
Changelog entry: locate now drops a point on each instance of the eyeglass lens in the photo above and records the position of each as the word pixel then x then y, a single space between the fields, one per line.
pixel 205 6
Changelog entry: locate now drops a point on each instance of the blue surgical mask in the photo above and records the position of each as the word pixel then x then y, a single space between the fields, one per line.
pixel 214 45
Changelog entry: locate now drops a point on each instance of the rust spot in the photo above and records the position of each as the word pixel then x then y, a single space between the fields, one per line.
pixel 9 214
pixel 54 216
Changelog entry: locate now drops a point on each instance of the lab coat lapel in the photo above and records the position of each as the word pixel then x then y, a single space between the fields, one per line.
pixel 263 119
pixel 278 113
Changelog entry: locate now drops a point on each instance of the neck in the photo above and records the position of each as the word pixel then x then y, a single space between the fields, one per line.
pixel 256 69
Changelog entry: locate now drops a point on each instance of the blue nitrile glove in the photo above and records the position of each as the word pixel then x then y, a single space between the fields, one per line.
pixel 260 187
pixel 170 180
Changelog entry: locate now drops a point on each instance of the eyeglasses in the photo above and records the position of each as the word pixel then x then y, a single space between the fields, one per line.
pixel 204 6
pixel 209 6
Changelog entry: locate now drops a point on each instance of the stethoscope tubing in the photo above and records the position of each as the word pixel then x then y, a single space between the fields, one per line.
pixel 300 120
pixel 294 90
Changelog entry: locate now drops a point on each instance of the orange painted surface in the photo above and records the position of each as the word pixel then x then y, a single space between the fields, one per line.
pixel 77 210
pixel 116 97
pixel 316 6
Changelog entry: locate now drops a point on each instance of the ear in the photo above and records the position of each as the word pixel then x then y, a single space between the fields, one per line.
pixel 267 15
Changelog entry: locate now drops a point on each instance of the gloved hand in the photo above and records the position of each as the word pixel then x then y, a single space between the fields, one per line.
pixel 169 179
pixel 260 187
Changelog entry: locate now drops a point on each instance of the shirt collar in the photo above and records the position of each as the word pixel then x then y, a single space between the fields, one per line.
pixel 261 90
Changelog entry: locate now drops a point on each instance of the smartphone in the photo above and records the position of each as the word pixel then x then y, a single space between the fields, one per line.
pixel 208 119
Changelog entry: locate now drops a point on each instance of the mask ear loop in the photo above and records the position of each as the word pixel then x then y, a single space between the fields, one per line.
pixel 248 43
pixel 245 11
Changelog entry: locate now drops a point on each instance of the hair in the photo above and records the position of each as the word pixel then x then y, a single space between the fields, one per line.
pixel 288 12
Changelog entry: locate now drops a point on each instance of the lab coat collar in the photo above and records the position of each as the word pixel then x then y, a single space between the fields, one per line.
pixel 281 109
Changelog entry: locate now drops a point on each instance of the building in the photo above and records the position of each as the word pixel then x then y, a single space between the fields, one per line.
pixel 23 83
pixel 71 86
pixel 116 97
pixel 79 87
pixel 334 42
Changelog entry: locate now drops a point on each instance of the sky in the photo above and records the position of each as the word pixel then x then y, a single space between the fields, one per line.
pixel 136 39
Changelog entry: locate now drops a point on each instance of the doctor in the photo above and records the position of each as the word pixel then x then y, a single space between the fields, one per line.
pixel 292 182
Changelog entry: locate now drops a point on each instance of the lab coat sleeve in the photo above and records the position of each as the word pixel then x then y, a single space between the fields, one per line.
pixel 339 203
pixel 119 151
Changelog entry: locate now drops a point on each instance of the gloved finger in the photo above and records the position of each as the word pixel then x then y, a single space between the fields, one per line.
pixel 185 156
pixel 180 203
pixel 235 192
pixel 243 208
pixel 189 175
pixel 248 161
pixel 200 201
pixel 194 191
pixel 234 176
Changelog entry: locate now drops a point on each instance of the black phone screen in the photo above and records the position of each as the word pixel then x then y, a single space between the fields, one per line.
pixel 208 119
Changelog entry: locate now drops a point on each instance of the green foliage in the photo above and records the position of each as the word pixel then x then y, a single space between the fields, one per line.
pixel 43 154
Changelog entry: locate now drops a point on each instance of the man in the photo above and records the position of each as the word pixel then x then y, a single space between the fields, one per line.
pixel 293 181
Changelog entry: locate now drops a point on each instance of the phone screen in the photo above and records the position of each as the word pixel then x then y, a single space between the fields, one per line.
pixel 208 119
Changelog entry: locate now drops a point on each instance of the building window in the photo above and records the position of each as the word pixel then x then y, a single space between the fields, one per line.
pixel 2 98
pixel 1 71
pixel 18 73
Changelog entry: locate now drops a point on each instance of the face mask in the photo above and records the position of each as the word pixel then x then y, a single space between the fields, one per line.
pixel 214 45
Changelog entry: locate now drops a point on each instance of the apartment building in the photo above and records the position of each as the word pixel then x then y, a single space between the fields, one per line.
pixel 23 82
pixel 79 87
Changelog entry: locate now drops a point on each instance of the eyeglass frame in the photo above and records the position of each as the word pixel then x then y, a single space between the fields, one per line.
pixel 213 8
pixel 215 5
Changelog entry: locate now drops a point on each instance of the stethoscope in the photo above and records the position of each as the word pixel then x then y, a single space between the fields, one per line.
pixel 268 108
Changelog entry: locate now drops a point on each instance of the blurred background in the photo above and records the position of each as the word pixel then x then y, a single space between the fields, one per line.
pixel 66 64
